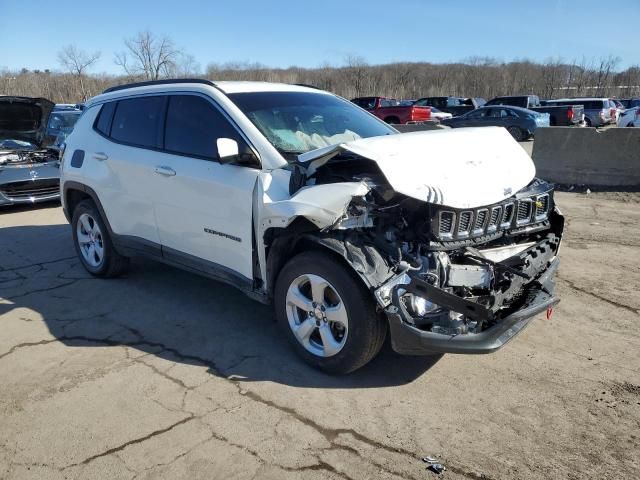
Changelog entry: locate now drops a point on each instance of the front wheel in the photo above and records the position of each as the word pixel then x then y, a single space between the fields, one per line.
pixel 327 314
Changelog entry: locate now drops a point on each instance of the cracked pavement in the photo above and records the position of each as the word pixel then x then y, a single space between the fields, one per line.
pixel 164 374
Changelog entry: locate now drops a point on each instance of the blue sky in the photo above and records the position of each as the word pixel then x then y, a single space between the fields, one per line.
pixel 309 33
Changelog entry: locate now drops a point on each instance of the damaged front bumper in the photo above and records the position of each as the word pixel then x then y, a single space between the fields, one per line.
pixel 408 339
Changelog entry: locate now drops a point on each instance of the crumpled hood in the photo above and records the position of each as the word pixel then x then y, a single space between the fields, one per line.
pixel 461 168
pixel 24 118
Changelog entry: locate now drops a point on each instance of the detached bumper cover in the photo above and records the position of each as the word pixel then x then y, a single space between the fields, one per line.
pixel 409 340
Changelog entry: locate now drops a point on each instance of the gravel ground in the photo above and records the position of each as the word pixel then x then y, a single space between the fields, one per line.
pixel 164 374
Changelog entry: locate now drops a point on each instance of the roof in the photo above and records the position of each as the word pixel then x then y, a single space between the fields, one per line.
pixel 225 86
pixel 197 84
pixel 246 87
pixel 512 107
pixel 589 99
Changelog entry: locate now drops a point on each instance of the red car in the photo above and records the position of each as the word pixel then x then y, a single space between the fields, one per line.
pixel 392 111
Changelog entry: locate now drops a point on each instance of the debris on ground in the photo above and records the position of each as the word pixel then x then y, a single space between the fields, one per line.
pixel 437 468
pixel 434 464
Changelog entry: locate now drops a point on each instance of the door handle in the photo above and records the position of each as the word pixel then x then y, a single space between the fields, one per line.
pixel 166 171
pixel 100 156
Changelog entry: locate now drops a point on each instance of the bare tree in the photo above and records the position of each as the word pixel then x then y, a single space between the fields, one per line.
pixel 76 62
pixel 149 56
pixel 356 71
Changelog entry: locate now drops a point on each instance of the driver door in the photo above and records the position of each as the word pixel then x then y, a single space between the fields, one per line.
pixel 203 208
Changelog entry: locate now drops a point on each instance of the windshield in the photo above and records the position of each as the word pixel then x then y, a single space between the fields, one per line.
pixel 298 122
pixel 63 122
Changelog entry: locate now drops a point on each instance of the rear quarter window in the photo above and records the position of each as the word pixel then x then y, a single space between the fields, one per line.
pixel 105 117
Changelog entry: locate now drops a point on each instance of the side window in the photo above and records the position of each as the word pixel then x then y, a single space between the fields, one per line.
pixel 138 121
pixel 193 126
pixel 103 122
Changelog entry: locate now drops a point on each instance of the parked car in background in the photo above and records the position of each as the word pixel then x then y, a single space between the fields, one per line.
pixel 619 108
pixel 630 102
pixel 453 105
pixel 597 111
pixel 29 172
pixel 559 115
pixel 629 118
pixel 519 122
pixel 439 115
pixel 61 122
pixel 392 111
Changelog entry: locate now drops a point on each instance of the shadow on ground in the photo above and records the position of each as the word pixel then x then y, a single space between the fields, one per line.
pixel 164 312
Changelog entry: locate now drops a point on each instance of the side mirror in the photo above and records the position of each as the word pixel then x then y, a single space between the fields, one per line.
pixel 227 150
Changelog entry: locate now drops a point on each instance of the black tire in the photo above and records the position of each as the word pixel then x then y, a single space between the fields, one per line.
pixel 587 122
pixel 392 120
pixel 367 328
pixel 517 133
pixel 631 125
pixel 112 263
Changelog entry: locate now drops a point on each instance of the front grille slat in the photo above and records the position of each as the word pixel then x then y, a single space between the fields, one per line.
pixel 524 211
pixel 446 224
pixel 494 219
pixel 464 224
pixel 481 218
pixel 542 206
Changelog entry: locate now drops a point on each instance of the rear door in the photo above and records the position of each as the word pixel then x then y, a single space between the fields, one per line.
pixel 123 156
pixel 203 208
pixel 476 118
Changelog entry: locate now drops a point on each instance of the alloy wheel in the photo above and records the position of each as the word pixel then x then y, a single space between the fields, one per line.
pixel 90 240
pixel 317 315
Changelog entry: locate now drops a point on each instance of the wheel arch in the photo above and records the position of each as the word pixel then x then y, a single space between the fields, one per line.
pixel 362 260
pixel 74 192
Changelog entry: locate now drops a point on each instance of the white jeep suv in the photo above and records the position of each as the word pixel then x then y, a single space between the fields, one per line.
pixel 298 197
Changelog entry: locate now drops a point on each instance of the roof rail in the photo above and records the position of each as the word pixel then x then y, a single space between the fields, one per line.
pixel 159 82
pixel 306 85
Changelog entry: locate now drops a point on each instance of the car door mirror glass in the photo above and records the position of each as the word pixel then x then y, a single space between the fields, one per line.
pixel 227 150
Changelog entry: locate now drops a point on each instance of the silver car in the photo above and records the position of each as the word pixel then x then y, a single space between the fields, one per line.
pixel 29 172
pixel 598 112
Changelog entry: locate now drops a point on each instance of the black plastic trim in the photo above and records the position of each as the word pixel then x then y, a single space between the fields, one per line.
pixel 71 185
pixel 409 340
pixel 167 81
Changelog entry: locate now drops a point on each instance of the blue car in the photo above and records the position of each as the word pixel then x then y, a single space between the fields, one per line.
pixel 521 123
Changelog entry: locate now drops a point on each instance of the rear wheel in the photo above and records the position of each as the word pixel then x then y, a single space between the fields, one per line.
pixel 93 243
pixel 587 122
pixel 327 314
pixel 392 120
pixel 517 133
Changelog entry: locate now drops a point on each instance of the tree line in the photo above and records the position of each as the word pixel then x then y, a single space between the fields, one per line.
pixel 148 56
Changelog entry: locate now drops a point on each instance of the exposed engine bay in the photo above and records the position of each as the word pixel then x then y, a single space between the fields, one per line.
pixel 454 271
pixel 9 158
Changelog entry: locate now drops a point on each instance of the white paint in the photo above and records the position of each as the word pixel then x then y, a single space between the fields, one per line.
pixel 460 168
pixel 321 204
